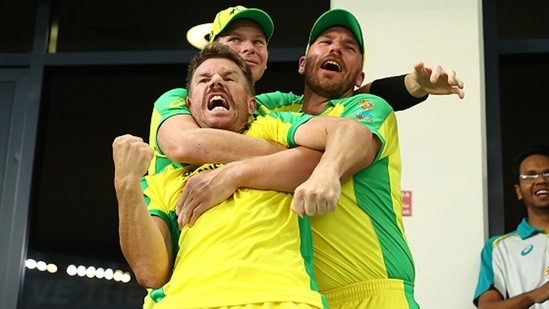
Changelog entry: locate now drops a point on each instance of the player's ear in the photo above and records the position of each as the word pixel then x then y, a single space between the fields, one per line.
pixel 518 192
pixel 360 79
pixel 252 104
pixel 301 68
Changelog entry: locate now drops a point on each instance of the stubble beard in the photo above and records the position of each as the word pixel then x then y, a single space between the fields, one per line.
pixel 326 87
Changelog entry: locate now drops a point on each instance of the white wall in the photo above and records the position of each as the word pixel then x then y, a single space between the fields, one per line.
pixel 442 140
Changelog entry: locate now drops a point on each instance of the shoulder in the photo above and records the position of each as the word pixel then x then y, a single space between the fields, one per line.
pixel 177 95
pixel 277 101
pixel 277 95
pixel 500 240
pixel 368 107
pixel 366 97
pixel 175 92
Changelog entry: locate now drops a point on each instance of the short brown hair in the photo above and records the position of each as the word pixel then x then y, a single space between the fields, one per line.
pixel 218 50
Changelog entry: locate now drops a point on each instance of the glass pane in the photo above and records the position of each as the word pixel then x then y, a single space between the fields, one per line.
pixel 74 216
pixel 83 110
pixel 7 90
pixel 522 20
pixel 17 25
pixel 523 119
pixel 104 25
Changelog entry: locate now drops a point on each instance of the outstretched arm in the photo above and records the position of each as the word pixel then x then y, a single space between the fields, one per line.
pixel 405 91
pixel 145 242
pixel 433 79
pixel 492 299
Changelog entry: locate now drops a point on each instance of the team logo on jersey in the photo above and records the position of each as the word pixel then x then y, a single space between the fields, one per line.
pixel 366 105
pixel 527 250
pixel 364 116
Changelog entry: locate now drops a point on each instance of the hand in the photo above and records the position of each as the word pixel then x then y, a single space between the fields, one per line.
pixel 202 192
pixel 318 195
pixel 132 158
pixel 433 79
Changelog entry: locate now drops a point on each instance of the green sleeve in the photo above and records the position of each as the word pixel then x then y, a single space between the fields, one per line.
pixel 169 104
pixel 376 114
pixel 277 101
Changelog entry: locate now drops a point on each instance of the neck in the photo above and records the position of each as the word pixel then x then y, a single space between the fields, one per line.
pixel 314 102
pixel 539 220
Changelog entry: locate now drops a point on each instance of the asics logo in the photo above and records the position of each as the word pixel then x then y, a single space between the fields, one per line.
pixel 527 250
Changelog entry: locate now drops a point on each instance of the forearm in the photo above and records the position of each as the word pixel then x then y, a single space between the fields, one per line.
pixel 286 170
pixel 347 146
pixel 184 142
pixel 143 245
pixel 492 299
pixel 523 301
pixel 401 92
pixel 282 171
pixel 213 145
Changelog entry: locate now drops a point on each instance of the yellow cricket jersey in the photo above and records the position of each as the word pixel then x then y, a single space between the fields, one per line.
pixel 364 239
pixel 249 249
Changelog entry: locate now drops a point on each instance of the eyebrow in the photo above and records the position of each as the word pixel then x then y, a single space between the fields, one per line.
pixel 350 40
pixel 224 74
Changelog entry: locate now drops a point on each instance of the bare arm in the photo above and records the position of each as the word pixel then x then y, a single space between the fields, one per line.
pixel 282 171
pixel 347 143
pixel 288 169
pixel 492 299
pixel 183 141
pixel 345 139
pixel 145 242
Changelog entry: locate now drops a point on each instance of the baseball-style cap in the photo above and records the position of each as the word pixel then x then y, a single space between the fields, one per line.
pixel 337 17
pixel 226 16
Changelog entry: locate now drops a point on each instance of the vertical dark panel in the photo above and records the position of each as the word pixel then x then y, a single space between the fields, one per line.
pixel 18 136
pixel 521 20
pixel 17 25
pixel 7 89
pixel 493 121
pixel 523 93
pixel 516 53
pixel 6 99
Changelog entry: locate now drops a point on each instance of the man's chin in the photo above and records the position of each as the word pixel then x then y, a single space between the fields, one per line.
pixel 222 124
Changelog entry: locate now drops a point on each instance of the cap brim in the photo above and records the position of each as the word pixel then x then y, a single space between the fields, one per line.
pixel 197 35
